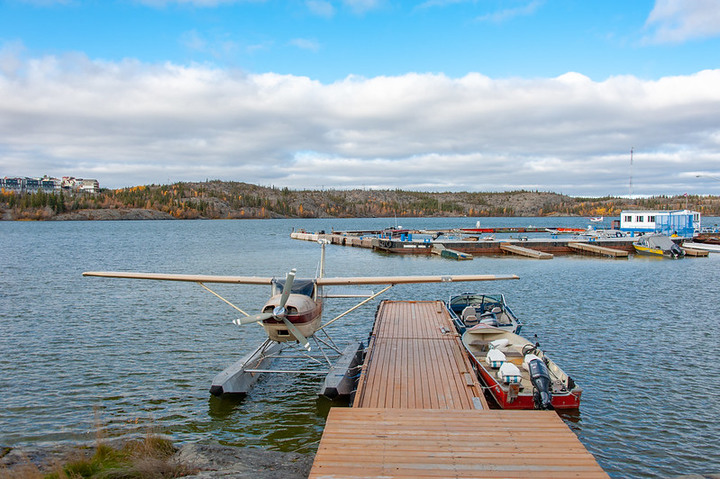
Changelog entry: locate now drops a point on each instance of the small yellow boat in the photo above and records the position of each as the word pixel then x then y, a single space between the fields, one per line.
pixel 658 245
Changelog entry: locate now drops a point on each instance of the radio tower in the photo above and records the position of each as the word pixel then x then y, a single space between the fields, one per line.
pixel 631 160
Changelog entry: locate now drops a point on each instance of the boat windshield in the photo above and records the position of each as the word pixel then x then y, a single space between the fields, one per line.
pixel 482 302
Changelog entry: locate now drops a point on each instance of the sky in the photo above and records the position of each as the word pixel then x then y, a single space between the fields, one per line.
pixel 580 97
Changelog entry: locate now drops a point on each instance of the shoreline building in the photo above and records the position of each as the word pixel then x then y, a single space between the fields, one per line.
pixel 48 184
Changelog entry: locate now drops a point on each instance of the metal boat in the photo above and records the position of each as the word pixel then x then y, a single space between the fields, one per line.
pixel 470 309
pixel 517 372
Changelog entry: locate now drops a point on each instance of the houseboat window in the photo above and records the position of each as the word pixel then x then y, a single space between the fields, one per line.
pixel 639 219
pixel 651 219
pixel 628 218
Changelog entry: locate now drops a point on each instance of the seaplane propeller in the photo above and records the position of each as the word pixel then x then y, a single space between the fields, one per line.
pixel 279 313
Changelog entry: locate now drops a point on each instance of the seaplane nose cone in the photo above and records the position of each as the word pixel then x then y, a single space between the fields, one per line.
pixel 279 311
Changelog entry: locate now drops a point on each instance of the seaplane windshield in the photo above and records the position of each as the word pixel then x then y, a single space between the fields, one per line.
pixel 305 287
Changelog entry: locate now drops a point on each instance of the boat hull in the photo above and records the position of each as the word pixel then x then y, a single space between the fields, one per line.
pixel 565 393
pixel 659 253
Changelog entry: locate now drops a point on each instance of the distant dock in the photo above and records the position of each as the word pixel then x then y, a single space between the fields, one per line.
pixel 419 411
pixel 427 243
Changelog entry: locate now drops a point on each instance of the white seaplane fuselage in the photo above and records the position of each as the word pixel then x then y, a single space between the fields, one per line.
pixel 303 311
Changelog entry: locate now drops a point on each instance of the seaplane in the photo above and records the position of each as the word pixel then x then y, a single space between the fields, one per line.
pixel 292 317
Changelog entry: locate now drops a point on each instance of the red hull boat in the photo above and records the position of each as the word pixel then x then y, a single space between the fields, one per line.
pixel 517 373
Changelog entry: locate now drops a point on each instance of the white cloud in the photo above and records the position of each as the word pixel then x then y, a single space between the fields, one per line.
pixel 196 3
pixel 130 123
pixel 305 44
pixel 321 8
pixel 510 13
pixel 676 21
pixel 362 6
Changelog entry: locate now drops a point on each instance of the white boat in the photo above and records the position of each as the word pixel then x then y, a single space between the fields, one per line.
pixel 597 219
pixel 713 248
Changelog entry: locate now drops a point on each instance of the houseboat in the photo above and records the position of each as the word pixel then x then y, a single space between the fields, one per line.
pixel 683 223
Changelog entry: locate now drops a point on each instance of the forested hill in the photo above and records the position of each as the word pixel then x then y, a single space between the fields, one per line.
pixel 230 200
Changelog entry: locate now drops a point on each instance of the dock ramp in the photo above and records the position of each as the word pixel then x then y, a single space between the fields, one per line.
pixel 695 252
pixel 601 250
pixel 519 250
pixel 441 250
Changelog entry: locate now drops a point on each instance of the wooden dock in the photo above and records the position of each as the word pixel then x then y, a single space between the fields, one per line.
pixel 522 251
pixel 419 413
pixel 415 360
pixel 416 443
pixel 600 250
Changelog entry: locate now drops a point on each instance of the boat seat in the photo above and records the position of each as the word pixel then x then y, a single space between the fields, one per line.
pixel 509 373
pixel 495 358
pixel 511 353
pixel 480 344
pixel 471 320
pixel 468 311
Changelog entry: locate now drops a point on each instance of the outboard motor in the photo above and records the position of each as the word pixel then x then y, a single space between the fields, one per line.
pixel 540 378
pixel 676 251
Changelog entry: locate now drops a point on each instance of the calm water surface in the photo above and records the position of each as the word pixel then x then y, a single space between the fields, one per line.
pixel 640 335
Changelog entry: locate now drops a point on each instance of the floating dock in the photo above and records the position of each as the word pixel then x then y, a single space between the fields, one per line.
pixel 522 251
pixel 541 248
pixel 465 248
pixel 419 412
pixel 599 250
pixel 441 250
pixel 693 251
pixel 420 443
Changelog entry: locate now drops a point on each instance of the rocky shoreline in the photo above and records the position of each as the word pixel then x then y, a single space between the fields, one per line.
pixel 197 460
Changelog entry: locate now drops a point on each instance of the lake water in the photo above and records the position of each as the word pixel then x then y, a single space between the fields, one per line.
pixel 78 354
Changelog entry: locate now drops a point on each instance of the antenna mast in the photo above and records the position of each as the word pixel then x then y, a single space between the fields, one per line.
pixel 631 165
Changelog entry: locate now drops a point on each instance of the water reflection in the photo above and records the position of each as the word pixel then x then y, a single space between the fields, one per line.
pixel 221 407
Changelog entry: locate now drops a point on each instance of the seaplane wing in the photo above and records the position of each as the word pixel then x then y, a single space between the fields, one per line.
pixel 410 279
pixel 349 281
pixel 193 278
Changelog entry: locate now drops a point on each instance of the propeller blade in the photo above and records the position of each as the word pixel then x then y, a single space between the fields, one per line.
pixel 296 332
pixel 287 288
pixel 252 319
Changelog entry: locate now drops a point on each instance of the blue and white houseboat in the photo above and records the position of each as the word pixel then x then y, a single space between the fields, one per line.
pixel 683 223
